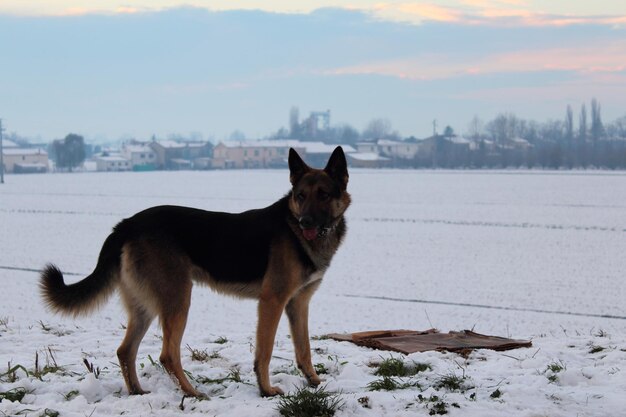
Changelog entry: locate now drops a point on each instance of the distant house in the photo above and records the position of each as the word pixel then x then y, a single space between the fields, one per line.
pixel 270 153
pixel 141 156
pixel 6 144
pixel 516 143
pixel 112 163
pixel 25 160
pixel 397 149
pixel 367 147
pixel 317 153
pixel 254 154
pixel 179 155
pixel 367 160
pixel 392 149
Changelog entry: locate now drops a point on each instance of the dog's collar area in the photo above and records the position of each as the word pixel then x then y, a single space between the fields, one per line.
pixel 324 231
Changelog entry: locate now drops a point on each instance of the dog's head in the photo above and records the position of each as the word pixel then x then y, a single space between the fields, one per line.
pixel 318 197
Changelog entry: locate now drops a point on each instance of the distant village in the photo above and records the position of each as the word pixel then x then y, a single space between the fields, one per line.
pixel 505 142
pixel 246 154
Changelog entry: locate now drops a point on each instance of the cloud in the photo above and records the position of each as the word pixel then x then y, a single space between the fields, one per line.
pixel 584 59
pixel 487 12
pixel 417 12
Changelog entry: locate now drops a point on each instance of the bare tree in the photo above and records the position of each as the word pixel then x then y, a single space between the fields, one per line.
pixel 597 129
pixel 377 129
pixel 582 124
pixel 504 126
pixel 569 125
pixel 294 122
pixel 475 128
pixel 617 128
pixel 237 135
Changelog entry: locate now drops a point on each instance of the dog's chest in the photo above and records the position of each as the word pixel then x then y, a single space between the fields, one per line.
pixel 313 277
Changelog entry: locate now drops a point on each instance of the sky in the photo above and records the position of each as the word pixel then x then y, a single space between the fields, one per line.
pixel 135 69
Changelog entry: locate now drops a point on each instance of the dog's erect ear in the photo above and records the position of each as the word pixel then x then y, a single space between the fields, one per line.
pixel 297 167
pixel 337 167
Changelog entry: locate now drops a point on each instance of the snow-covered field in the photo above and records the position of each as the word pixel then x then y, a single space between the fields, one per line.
pixel 529 255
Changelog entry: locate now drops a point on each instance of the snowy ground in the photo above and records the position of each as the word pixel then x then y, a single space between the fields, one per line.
pixel 527 255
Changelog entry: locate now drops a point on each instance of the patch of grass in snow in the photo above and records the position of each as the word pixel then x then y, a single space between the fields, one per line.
pixel 49 329
pixel 335 364
pixel 4 323
pixel 553 369
pixel 11 374
pixel 436 405
pixel 234 375
pixel 601 333
pixel 289 369
pixel 221 340
pixel 51 366
pixel 496 394
pixel 310 403
pixel 596 349
pixel 202 355
pixel 15 394
pixel 392 370
pixel 452 382
pixel 365 402
pixel 556 367
pixel 396 367
pixel 320 368
pixel 91 368
pixel 70 395
pixel 387 383
pixel 157 364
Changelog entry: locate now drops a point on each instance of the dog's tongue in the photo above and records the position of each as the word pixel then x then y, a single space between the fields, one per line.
pixel 309 234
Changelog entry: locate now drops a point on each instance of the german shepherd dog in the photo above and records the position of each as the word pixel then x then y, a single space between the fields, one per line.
pixel 277 254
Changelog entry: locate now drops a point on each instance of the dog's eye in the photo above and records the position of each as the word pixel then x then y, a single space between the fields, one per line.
pixel 300 197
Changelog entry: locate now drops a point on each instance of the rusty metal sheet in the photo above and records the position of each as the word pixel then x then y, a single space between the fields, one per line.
pixel 411 341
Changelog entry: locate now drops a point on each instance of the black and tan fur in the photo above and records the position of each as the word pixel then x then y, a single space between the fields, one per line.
pixel 277 254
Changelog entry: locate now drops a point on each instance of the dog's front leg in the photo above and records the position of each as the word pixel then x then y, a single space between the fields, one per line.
pixel 298 313
pixel 270 310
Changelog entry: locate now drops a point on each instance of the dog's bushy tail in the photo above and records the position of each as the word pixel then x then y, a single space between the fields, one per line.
pixel 84 296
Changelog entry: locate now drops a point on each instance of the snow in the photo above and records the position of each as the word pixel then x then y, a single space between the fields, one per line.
pixel 528 255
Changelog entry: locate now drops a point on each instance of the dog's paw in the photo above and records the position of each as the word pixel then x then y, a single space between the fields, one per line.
pixel 314 380
pixel 138 391
pixel 196 394
pixel 271 392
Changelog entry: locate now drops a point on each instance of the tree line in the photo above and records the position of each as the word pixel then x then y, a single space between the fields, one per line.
pixel 508 141
pixel 576 141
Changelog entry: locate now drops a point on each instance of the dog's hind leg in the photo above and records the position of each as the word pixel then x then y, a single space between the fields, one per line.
pixel 138 323
pixel 173 322
pixel 298 313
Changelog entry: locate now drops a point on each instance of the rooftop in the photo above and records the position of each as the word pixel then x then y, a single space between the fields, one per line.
pixel 24 151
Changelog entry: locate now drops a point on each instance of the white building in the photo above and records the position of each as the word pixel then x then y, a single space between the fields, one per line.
pixel 389 148
pixel 21 160
pixel 112 163
pixel 271 153
pixel 141 157
pixel 397 149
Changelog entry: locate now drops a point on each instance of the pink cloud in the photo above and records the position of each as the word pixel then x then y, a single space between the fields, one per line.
pixel 607 58
pixel 486 12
